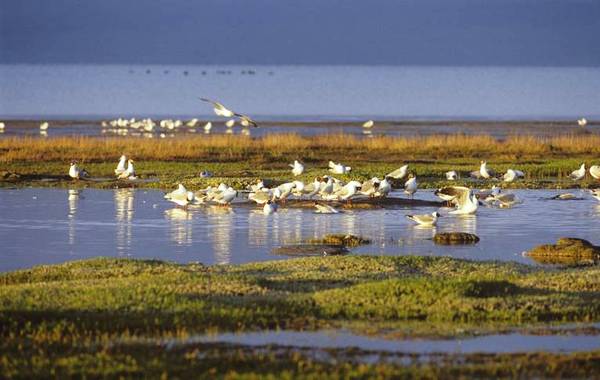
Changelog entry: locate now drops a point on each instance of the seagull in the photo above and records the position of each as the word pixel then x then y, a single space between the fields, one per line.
pixel 325 209
pixel 451 193
pixel 582 122
pixel 181 196
pixel 485 193
pixel 595 193
pixel 384 188
pixel 129 173
pixel 246 121
pixel 44 126
pixel 511 175
pixel 399 173
pixel 369 187
pixel 284 190
pixel 428 220
pixel 504 200
pixel 452 175
pixel 595 171
pixel 312 188
pixel 258 186
pixel 298 189
pixel 1 126
pixel 230 123
pixel 564 197
pixel 578 174
pixel 260 197
pixel 76 173
pixel 338 168
pixel 269 207
pixel 225 197
pixel 121 166
pixel 466 203
pixel 368 124
pixel 410 187
pixel 484 171
pixel 326 188
pixel 219 108
pixel 192 123
pixel 207 127
pixel 348 191
pixel 297 168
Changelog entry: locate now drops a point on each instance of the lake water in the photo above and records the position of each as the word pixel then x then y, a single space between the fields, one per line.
pixel 45 226
pixel 300 92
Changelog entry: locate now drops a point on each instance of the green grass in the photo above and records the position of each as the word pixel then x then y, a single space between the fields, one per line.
pixel 85 317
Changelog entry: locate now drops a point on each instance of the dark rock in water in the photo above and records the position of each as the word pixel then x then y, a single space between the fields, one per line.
pixel 566 251
pixel 310 250
pixel 451 238
pixel 341 240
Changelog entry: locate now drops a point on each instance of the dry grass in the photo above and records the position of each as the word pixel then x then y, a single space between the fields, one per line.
pixel 224 148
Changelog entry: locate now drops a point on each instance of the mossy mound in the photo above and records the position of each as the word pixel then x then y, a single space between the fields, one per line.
pixel 566 251
pixel 341 239
pixel 451 238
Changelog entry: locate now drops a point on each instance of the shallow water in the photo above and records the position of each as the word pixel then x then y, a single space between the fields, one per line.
pixel 494 343
pixel 44 226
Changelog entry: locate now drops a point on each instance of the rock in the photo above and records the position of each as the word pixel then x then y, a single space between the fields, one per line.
pixel 566 251
pixel 310 250
pixel 341 240
pixel 451 238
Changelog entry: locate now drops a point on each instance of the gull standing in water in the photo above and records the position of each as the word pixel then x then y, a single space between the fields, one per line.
pixel 181 197
pixel 466 203
pixel 121 165
pixel 578 174
pixel 410 187
pixel 427 220
pixel 76 173
pixel 399 173
pixel 595 171
pixel 297 168
pixel 368 124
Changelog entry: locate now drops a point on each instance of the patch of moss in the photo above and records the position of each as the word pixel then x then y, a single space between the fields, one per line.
pixel 566 251
pixel 346 240
pixel 452 238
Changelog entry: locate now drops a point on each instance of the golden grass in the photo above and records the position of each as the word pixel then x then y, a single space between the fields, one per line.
pixel 230 148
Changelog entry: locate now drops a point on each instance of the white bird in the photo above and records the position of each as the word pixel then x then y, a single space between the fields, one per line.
pixel 258 186
pixel 384 188
pixel 181 196
pixel 246 121
pixel 298 188
pixel 595 193
pixel 313 188
pixel 511 175
pixel 399 173
pixel 1 126
pixel 260 197
pixel 230 123
pixel 129 173
pixel 504 200
pixel 466 203
pixel 348 191
pixel 269 207
pixel 370 187
pixel 219 108
pixel 595 171
pixel 338 168
pixel 226 196
pixel 410 187
pixel 76 172
pixel 582 122
pixel 452 175
pixel 44 126
pixel 451 193
pixel 326 188
pixel 207 127
pixel 283 191
pixel 484 171
pixel 192 123
pixel 428 220
pixel 297 168
pixel 578 174
pixel 325 209
pixel 369 124
pixel 486 193
pixel 121 165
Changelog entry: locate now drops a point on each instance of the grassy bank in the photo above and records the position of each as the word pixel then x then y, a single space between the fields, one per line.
pixel 88 317
pixel 238 161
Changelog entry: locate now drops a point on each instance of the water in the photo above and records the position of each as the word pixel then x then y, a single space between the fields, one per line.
pixel 493 344
pixel 45 226
pixel 300 92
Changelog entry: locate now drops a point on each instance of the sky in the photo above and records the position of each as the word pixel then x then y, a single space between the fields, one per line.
pixel 308 32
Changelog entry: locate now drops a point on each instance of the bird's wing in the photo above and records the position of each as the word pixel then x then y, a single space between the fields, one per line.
pixel 247 119
pixel 397 174
pixel 216 104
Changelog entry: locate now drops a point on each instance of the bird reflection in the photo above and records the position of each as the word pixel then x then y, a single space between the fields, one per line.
pixel 258 226
pixel 222 220
pixel 123 216
pixel 467 223
pixel 73 198
pixel 181 226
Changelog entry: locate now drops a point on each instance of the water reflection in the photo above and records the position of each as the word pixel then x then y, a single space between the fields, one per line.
pixel 221 232
pixel 124 219
pixel 73 200
pixel 181 226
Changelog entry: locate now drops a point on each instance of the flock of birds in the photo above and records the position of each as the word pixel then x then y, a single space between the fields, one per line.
pixel 326 189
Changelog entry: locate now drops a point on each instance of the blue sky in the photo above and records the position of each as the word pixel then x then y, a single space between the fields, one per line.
pixel 383 32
